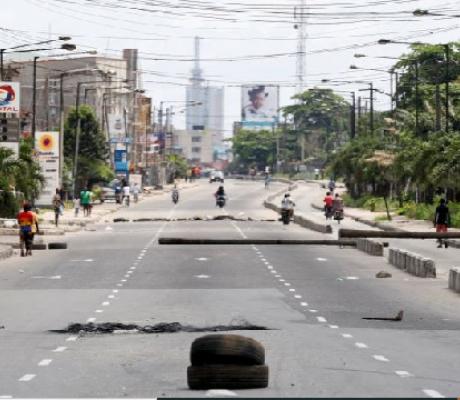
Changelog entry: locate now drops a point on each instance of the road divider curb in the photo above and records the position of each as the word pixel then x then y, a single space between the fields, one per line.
pixel 195 241
pixel 454 279
pixel 370 247
pixel 412 263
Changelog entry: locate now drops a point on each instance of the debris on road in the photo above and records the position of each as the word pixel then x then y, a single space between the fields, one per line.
pixel 383 274
pixel 164 327
pixel 399 317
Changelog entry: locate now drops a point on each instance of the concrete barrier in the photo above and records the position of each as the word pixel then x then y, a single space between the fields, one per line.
pixel 454 279
pixel 412 263
pixel 370 247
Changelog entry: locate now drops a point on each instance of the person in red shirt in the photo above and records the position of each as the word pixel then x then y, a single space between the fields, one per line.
pixel 328 205
pixel 28 227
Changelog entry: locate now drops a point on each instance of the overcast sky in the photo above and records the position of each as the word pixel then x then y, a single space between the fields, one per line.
pixel 232 32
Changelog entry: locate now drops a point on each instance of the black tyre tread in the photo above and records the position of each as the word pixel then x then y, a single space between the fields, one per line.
pixel 227 377
pixel 227 349
pixel 57 246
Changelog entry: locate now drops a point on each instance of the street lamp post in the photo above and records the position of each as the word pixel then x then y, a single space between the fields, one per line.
pixel 447 55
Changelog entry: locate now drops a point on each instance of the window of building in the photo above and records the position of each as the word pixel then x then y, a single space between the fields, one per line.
pixel 196 139
pixel 196 149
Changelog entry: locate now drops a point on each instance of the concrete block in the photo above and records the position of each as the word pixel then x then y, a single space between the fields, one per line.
pixel 429 268
pixel 453 272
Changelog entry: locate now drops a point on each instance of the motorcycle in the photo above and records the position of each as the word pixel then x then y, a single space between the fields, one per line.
pixel 286 216
pixel 220 201
pixel 175 196
pixel 338 215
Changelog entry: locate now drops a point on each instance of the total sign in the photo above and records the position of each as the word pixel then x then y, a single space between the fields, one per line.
pixel 9 97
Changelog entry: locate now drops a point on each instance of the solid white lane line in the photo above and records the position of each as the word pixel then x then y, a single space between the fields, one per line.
pixel 27 378
pixel 92 319
pixel 433 393
pixel 45 362
pixel 380 358
pixel 304 304
pixel 59 349
pixel 347 335
pixel 360 345
pixel 403 374
pixel 72 339
pixel 321 319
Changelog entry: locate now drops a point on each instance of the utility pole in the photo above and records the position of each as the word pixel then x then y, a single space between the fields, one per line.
pixel 300 23
pixel 447 52
pixel 371 116
pixel 353 116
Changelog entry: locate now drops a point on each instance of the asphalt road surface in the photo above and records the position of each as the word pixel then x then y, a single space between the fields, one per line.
pixel 312 299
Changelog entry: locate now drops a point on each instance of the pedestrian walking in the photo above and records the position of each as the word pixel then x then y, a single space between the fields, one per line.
pixel 85 200
pixel 442 221
pixel 57 206
pixel 126 193
pixel 76 206
pixel 28 227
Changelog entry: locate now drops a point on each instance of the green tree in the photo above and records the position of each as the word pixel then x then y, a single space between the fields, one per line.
pixel 254 148
pixel 93 148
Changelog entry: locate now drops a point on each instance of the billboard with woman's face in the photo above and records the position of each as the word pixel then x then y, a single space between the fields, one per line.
pixel 260 103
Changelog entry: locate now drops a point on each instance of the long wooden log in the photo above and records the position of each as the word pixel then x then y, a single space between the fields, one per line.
pixel 186 241
pixel 355 233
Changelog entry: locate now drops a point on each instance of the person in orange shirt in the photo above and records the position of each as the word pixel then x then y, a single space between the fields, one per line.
pixel 328 203
pixel 28 227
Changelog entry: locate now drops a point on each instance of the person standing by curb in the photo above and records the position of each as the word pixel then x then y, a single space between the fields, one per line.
pixel 28 227
pixel 57 206
pixel 442 221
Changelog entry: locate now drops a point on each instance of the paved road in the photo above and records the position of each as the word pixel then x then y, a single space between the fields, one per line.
pixel 312 299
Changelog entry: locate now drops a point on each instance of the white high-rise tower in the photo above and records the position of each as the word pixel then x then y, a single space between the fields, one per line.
pixel 300 23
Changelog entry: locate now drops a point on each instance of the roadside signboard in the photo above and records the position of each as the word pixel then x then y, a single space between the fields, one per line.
pixel 47 150
pixel 9 97
pixel 121 161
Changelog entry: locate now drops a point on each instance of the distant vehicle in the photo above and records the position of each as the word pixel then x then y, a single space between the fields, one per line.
pixel 108 194
pixel 216 176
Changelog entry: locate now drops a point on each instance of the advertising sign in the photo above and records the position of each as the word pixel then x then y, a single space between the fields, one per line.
pixel 47 150
pixel 121 161
pixel 117 131
pixel 9 97
pixel 260 104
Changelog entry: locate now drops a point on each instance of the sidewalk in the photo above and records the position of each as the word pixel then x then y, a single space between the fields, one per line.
pixel 309 200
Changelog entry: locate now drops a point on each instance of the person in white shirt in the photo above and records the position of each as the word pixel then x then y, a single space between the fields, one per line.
pixel 288 204
pixel 126 192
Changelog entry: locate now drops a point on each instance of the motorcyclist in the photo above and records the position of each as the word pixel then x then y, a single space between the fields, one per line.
pixel 337 207
pixel 220 193
pixel 331 185
pixel 328 204
pixel 175 194
pixel 288 204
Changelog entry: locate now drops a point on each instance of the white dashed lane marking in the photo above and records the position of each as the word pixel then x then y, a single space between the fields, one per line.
pixel 360 345
pixel 403 374
pixel 59 349
pixel 92 319
pixel 45 362
pixel 99 311
pixel 321 319
pixel 27 378
pixel 347 336
pixel 304 304
pixel 334 326
pixel 106 303
pixel 433 393
pixel 321 259
pixel 380 358
pixel 72 339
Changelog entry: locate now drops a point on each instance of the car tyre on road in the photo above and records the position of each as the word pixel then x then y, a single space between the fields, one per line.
pixel 226 349
pixel 207 377
pixel 57 246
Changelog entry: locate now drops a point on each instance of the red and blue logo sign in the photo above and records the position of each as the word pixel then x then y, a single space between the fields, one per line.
pixel 7 95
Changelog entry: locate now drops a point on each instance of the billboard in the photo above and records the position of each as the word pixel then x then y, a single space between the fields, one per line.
pixel 260 104
pixel 47 150
pixel 117 128
pixel 9 97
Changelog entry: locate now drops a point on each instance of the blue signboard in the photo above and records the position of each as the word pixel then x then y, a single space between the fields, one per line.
pixel 121 162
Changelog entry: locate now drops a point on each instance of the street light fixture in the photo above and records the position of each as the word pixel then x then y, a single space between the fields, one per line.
pixel 8 50
pixel 447 55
